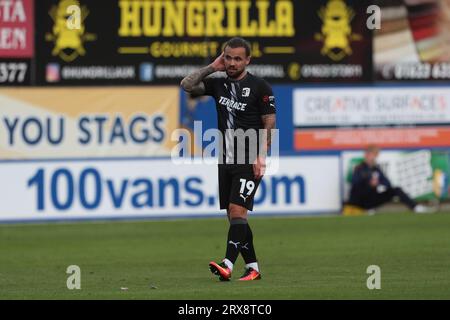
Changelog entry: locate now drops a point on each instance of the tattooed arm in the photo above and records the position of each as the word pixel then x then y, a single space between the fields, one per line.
pixel 259 166
pixel 269 122
pixel 193 82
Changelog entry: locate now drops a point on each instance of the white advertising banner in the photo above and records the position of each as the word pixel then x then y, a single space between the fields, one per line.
pixel 336 107
pixel 87 189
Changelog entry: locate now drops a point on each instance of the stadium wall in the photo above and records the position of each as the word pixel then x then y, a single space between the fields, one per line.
pixel 96 153
pixel 81 145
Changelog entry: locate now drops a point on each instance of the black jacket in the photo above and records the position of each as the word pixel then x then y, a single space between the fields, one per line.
pixel 361 189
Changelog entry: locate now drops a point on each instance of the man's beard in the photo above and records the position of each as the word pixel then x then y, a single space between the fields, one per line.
pixel 235 75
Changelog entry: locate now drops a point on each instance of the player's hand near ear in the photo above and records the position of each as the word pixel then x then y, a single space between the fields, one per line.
pixel 219 63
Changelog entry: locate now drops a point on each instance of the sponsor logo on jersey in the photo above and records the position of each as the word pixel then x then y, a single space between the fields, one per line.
pixel 232 104
pixel 272 101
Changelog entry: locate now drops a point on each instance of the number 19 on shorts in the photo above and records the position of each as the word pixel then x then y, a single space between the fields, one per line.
pixel 246 184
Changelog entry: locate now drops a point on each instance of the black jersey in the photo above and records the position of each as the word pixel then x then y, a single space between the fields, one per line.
pixel 240 105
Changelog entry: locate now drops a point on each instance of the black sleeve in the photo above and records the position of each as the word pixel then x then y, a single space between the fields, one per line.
pixel 210 85
pixel 360 188
pixel 266 103
pixel 360 178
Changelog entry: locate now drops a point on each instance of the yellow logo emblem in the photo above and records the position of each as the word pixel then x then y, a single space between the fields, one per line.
pixel 294 71
pixel 336 33
pixel 69 42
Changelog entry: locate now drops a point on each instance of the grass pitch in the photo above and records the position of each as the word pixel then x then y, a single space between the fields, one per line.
pixel 300 258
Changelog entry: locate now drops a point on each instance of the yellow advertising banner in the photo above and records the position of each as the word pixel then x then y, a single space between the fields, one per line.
pixel 87 122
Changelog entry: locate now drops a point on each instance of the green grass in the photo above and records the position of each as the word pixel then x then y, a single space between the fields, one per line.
pixel 300 258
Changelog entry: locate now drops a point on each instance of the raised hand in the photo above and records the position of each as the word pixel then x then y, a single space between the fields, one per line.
pixel 219 63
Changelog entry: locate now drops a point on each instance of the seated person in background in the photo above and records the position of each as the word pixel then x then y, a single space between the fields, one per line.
pixel 371 188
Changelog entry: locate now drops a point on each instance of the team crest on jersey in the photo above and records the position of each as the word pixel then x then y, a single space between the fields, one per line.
pixel 272 101
pixel 246 92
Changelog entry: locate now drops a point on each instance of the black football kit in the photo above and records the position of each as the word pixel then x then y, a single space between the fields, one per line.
pixel 240 105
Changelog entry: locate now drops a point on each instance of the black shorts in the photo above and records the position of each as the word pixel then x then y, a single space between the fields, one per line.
pixel 237 185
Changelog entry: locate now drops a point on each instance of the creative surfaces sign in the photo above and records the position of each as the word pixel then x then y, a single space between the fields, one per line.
pixel 77 189
pixel 389 117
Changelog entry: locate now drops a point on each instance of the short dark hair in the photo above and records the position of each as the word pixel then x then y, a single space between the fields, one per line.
pixel 238 42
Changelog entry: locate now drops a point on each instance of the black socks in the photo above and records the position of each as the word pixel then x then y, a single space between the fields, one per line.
pixel 237 235
pixel 247 249
pixel 240 239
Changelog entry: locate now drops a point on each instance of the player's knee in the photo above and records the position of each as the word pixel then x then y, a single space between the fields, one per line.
pixel 236 212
